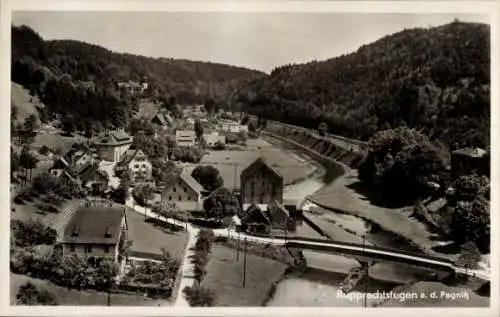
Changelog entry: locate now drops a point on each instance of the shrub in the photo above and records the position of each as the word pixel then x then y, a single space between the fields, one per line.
pixel 198 296
pixel 32 232
pixel 29 294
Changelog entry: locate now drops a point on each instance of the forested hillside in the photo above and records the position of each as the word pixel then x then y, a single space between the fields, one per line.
pixel 77 80
pixel 436 80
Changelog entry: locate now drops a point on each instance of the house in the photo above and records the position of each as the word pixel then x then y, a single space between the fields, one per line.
pixel 280 217
pixel 255 220
pixel 213 138
pixel 468 160
pixel 137 164
pixel 185 192
pixel 185 138
pixel 97 232
pixel 132 87
pixel 233 127
pixel 91 177
pixel 112 146
pixel 260 184
pixel 164 120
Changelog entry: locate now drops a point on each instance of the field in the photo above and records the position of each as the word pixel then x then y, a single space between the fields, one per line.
pixel 230 163
pixel 69 297
pixel 225 277
pixel 150 239
pixel 24 102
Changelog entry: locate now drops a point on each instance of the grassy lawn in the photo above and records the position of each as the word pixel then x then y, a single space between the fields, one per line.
pixel 24 102
pixel 339 195
pixel 69 297
pixel 290 166
pixel 225 277
pixel 148 238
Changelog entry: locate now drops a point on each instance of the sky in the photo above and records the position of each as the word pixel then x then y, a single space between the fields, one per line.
pixel 259 40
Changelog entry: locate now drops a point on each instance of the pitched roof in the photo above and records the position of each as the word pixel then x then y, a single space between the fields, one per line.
pixel 86 174
pixel 95 225
pixel 185 133
pixel 115 138
pixel 258 163
pixel 253 209
pixel 472 152
pixel 190 181
pixel 130 155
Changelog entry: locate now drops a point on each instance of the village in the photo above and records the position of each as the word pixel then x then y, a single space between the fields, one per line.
pixel 199 176
pixel 149 180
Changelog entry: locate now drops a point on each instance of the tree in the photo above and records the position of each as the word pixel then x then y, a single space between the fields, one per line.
pixel 323 128
pixel 31 123
pixel 470 256
pixel 15 163
pixel 28 161
pixel 198 296
pixel 32 232
pixel 470 221
pixel 209 105
pixel 121 193
pixel 468 187
pixel 402 162
pixel 251 127
pixel 208 176
pixel 198 129
pixel 219 145
pixel 68 125
pixel 243 136
pixel 221 203
pixel 29 294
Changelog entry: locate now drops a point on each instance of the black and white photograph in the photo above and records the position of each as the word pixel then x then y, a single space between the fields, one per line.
pixel 256 159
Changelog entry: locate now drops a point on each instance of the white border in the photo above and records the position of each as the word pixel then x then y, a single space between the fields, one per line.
pixel 485 7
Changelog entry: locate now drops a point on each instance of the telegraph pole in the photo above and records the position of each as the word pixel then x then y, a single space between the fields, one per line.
pixel 244 262
pixel 366 276
pixel 238 248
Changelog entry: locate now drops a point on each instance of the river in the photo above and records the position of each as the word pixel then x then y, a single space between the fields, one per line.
pixel 319 284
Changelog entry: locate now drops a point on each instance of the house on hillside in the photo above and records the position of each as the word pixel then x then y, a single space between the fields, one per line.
pixel 97 232
pixel 469 160
pixel 112 146
pixel 185 192
pixel 81 167
pixel 164 120
pixel 211 139
pixel 137 164
pixel 260 184
pixel 185 138
pixel 255 220
pixel 132 87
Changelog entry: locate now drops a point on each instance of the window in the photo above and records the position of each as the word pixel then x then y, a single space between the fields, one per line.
pixel 143 165
pixel 185 190
pixel 174 189
pixel 169 197
pixel 136 165
pixel 180 198
pixel 89 248
pixel 72 248
pixel 106 249
pixel 189 197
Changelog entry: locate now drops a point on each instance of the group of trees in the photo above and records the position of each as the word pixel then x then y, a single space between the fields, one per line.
pixel 25 162
pixel 402 163
pixel 160 274
pixel 221 204
pixel 436 80
pixel 77 81
pixel 71 271
pixel 31 232
pixel 31 295
pixel 208 176
pixel 470 211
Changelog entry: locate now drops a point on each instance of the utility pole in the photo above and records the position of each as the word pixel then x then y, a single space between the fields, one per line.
pixel 366 276
pixel 245 262
pixel 109 298
pixel 238 248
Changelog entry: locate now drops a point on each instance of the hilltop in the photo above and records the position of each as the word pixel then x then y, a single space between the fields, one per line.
pixel 77 81
pixel 436 80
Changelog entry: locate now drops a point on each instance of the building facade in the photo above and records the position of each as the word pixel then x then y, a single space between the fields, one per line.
pixel 260 184
pixel 95 232
pixel 113 145
pixel 185 138
pixel 137 164
pixel 185 192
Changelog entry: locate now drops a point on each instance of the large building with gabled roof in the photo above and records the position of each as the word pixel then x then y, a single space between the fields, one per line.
pixel 94 232
pixel 112 146
pixel 260 184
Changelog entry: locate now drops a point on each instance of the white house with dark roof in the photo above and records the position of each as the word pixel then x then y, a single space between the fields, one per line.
pixel 185 138
pixel 137 164
pixel 185 192
pixel 94 232
pixel 112 146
